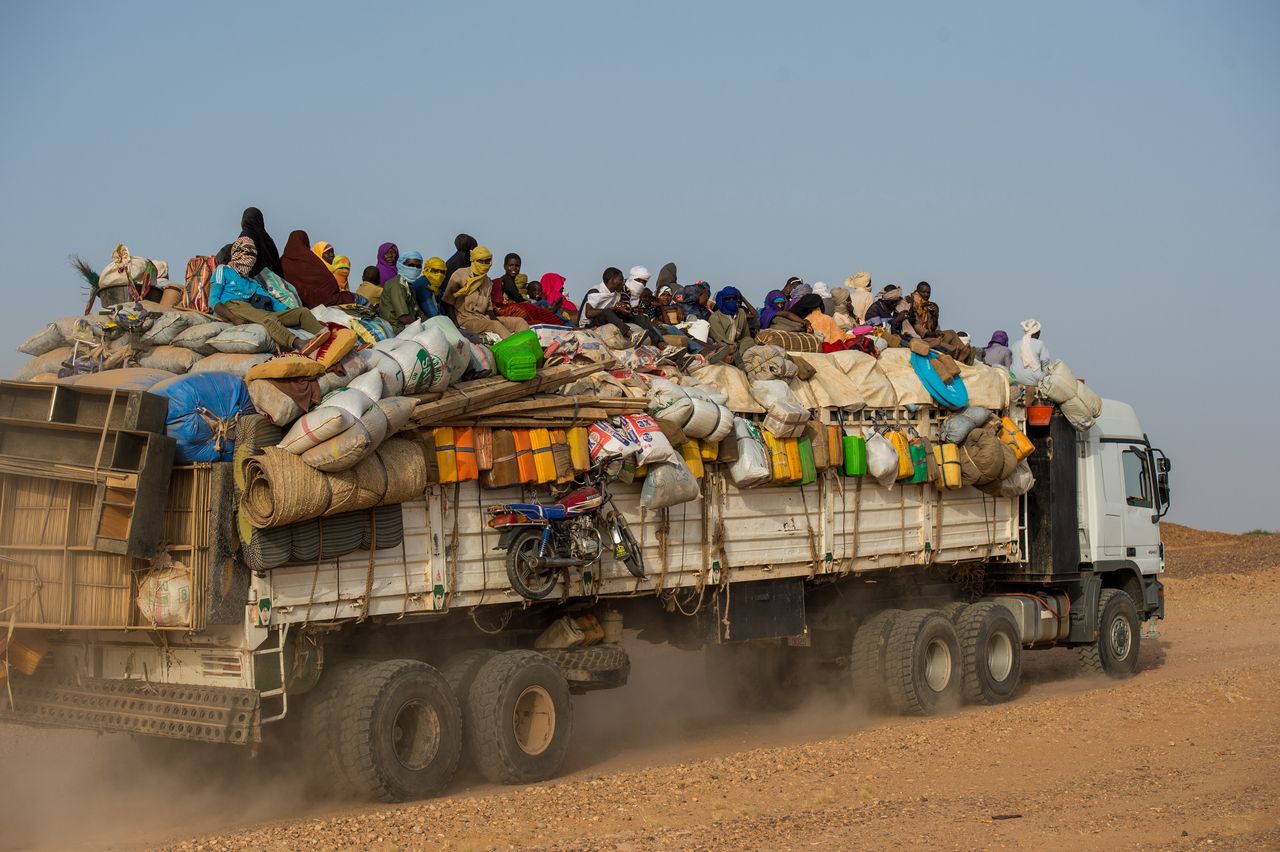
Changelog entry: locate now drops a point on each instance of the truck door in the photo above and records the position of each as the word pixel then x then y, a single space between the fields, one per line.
pixel 1141 533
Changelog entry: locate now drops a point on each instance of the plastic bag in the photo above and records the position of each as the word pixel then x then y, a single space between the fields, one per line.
pixel 164 596
pixel 958 426
pixel 353 401
pixel 644 431
pixel 604 441
pixel 882 460
pixel 752 465
pixel 668 483
pixel 316 427
pixel 202 409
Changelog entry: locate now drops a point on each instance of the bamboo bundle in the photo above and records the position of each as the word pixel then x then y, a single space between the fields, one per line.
pixel 470 398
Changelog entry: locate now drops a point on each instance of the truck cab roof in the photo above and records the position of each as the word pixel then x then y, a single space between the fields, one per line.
pixel 1118 421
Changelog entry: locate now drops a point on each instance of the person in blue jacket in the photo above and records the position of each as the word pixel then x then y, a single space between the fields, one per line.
pixel 240 300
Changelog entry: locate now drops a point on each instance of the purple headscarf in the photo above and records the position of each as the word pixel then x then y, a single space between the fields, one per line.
pixel 774 302
pixel 999 337
pixel 387 271
pixel 797 293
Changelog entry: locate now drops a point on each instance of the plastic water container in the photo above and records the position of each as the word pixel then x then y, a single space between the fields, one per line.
pixel 518 356
pixel 855 455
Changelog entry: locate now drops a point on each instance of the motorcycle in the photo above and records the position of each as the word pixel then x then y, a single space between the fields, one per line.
pixel 543 539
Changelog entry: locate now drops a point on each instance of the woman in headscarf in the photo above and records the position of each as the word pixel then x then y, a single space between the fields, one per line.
pixel 268 256
pixel 997 352
pixel 841 310
pixel 730 323
pixel 775 315
pixel 308 274
pixel 1033 356
pixel 693 302
pixel 669 312
pixel 397 305
pixel 798 292
pixel 324 251
pixel 471 293
pixel 860 297
pixel 553 294
pixel 461 258
pixel 427 289
pixel 666 278
pixel 341 268
pixel 388 255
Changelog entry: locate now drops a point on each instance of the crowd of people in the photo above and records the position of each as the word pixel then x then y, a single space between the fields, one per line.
pixel 401 286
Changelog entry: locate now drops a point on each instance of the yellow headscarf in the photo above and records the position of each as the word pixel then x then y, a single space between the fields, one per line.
pixel 320 248
pixel 341 268
pixel 481 260
pixel 433 271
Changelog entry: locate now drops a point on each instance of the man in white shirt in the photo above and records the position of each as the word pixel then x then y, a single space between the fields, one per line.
pixel 603 307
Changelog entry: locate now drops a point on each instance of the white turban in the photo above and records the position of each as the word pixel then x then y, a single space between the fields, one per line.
pixel 859 281
pixel 637 281
pixel 820 288
pixel 1029 360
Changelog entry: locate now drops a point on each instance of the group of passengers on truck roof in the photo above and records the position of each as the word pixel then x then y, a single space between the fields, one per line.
pixel 401 286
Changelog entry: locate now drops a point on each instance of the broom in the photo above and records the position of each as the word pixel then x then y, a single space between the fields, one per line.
pixel 80 265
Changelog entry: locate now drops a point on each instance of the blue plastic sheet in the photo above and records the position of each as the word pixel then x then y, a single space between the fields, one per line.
pixel 203 409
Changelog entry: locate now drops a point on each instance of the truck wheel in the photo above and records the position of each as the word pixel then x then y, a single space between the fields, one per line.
pixel 460 673
pixel 399 730
pixel 527 581
pixel 326 776
pixel 519 717
pixel 866 665
pixel 953 610
pixel 922 663
pixel 991 653
pixel 1115 651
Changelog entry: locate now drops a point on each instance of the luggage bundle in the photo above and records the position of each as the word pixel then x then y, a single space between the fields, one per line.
pixel 1079 403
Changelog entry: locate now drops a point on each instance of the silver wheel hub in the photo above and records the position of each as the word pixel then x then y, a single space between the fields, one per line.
pixel 1120 637
pixel 937 665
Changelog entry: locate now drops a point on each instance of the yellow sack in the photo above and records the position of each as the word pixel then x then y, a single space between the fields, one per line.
pixel 291 366
pixel 330 346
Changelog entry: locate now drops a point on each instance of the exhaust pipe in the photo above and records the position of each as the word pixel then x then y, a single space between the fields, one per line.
pixel 559 562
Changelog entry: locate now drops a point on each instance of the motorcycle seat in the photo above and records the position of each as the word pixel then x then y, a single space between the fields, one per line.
pixel 546 511
pixel 577 502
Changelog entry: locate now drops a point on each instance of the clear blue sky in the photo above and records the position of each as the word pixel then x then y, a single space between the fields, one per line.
pixel 1112 169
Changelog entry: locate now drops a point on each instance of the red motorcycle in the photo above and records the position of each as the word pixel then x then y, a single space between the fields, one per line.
pixel 543 539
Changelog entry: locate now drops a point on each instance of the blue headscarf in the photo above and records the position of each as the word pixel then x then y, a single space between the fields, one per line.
pixel 409 273
pixel 728 300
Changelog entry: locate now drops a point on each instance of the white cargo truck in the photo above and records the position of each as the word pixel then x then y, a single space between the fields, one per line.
pixel 393 665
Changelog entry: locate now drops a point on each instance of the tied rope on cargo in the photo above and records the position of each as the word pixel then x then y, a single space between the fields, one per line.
pixel 221 431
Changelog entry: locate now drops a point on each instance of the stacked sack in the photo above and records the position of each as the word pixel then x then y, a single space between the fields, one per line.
pixel 691 411
pixel 1079 404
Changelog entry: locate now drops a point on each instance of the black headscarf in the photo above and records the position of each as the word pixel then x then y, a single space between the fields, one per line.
pixel 666 278
pixel 252 226
pixel 223 257
pixel 806 305
pixel 464 243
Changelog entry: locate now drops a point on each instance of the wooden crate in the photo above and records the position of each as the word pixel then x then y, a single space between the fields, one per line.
pixel 54 578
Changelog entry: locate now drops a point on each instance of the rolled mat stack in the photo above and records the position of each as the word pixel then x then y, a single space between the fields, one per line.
pixel 280 488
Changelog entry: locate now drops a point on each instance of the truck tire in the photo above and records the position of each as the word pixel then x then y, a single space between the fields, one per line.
pixel 922 663
pixel 866 663
pixel 399 730
pixel 326 776
pixel 460 672
pixel 953 611
pixel 1115 651
pixel 990 653
pixel 520 717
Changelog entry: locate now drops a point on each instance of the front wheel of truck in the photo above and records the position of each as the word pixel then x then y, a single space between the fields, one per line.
pixel 398 730
pixel 1115 651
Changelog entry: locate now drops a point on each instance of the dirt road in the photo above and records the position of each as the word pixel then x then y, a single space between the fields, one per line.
pixel 1185 754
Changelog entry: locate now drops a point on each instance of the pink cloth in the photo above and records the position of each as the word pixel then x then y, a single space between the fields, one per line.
pixel 553 288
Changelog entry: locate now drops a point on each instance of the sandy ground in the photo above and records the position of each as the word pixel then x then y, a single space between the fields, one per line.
pixel 1186 754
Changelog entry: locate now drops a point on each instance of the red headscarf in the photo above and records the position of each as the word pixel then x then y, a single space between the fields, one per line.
pixel 309 275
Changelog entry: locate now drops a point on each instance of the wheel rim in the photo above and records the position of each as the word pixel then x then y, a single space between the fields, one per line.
pixel 937 665
pixel 999 656
pixel 415 735
pixel 534 720
pixel 1121 637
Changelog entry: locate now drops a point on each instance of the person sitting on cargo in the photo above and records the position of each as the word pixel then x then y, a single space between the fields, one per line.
pixel 511 296
pixel 884 310
pixel 731 324
pixel 240 300
pixel 924 313
pixel 1033 356
pixel 997 353
pixel 636 282
pixel 254 228
pixel 426 290
pixel 694 303
pixel 397 305
pixel 470 292
pixel 370 285
pixel 810 309
pixel 603 306
pixel 461 257
pixel 774 315
pixel 669 312
pixel 310 276
pixel 860 297
pixel 388 254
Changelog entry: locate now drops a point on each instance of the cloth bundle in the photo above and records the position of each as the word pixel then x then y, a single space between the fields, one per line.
pixel 763 362
pixel 984 458
pixel 1079 403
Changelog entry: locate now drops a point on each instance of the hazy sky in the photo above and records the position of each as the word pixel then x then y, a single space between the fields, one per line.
pixel 1112 169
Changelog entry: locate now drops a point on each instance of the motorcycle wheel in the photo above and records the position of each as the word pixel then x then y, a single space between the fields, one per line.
pixel 634 560
pixel 528 581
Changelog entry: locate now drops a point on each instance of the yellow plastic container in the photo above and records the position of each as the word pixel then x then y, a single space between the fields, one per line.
pixel 794 465
pixel 1017 441
pixel 524 456
pixel 464 440
pixel 446 453
pixel 578 452
pixel 710 450
pixel 947 457
pixel 777 457
pixel 544 462
pixel 835 445
pixel 692 452
pixel 906 467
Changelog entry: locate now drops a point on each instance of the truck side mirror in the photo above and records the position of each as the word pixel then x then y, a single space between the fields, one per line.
pixel 1164 465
